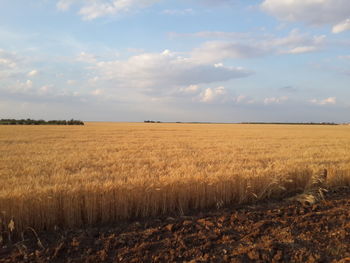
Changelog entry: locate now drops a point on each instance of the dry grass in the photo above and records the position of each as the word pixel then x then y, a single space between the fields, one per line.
pixel 104 172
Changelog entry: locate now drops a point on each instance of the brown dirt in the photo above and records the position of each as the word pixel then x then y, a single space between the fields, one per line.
pixel 268 232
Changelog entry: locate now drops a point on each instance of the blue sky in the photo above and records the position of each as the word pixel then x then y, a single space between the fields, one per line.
pixel 194 60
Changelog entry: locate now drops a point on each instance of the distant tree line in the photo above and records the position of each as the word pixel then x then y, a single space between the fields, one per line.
pixel 148 121
pixel 39 122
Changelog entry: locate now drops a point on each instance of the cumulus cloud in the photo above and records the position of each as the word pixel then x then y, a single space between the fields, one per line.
pixel 211 95
pixel 343 26
pixel 32 73
pixel 164 70
pixel 313 12
pixel 23 87
pixel 93 9
pixel 189 90
pixel 17 83
pixel 15 66
pixel 7 63
pixel 207 95
pixel 29 91
pixel 8 60
pixel 327 101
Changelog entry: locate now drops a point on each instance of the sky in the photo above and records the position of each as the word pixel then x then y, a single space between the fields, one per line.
pixel 176 60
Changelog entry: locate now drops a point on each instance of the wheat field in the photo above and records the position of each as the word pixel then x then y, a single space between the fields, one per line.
pixel 100 173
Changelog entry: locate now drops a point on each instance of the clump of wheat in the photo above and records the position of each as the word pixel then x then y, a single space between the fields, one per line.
pixel 103 172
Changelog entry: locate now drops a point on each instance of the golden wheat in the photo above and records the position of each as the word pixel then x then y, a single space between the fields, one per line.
pixel 72 176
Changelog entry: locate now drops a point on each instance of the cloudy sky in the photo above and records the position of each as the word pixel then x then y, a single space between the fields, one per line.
pixel 175 60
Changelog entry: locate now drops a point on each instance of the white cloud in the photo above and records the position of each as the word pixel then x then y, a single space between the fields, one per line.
pixel 220 91
pixel 300 50
pixel 93 9
pixel 343 26
pixel 313 12
pixel 22 87
pixel 211 95
pixel 275 100
pixel 327 101
pixel 163 71
pixel 191 89
pixel 27 90
pixel 8 60
pixel 32 73
pixel 7 63
pixel 207 95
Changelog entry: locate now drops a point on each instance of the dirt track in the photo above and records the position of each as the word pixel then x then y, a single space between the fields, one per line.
pixel 274 232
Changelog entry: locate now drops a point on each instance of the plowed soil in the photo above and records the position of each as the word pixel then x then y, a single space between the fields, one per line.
pixel 269 232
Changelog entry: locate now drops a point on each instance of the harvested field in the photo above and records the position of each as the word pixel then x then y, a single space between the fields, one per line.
pixel 269 232
pixel 104 173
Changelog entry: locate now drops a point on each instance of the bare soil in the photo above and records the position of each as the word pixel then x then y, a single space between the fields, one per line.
pixel 267 232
